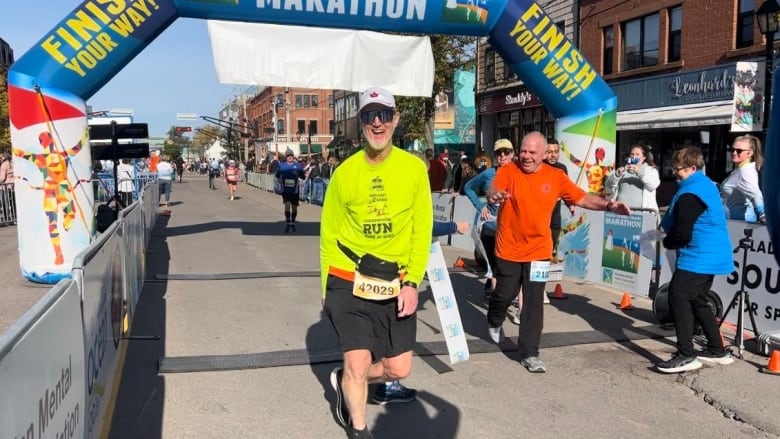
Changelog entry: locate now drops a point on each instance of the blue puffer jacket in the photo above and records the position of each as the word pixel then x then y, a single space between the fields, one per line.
pixel 709 251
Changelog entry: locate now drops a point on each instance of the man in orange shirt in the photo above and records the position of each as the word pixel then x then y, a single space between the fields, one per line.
pixel 527 193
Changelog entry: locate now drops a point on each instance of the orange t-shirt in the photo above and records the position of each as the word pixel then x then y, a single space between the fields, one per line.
pixel 153 161
pixel 523 232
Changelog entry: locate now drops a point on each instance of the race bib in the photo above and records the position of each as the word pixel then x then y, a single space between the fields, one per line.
pixel 540 271
pixel 288 182
pixel 371 288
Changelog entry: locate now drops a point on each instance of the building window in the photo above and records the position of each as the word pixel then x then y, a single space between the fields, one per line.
pixel 607 56
pixel 490 67
pixel 306 101
pixel 280 126
pixel 675 34
pixel 331 126
pixel 330 101
pixel 313 127
pixel 315 101
pixel 508 75
pixel 640 42
pixel 745 23
pixel 301 126
pixel 298 101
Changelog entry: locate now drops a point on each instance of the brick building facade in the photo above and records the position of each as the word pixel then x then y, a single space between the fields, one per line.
pixel 672 64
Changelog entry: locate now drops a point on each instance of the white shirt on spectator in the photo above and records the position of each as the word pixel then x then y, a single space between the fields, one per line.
pixel 164 171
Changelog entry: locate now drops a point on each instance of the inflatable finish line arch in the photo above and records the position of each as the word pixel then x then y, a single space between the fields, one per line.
pixel 49 85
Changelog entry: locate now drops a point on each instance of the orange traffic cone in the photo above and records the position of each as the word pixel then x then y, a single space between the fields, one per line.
pixel 625 302
pixel 558 293
pixel 773 366
pixel 460 263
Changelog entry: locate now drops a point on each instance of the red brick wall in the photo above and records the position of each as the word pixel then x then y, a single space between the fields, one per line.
pixel 708 33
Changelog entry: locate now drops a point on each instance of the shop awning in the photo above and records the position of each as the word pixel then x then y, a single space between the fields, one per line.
pixel 711 113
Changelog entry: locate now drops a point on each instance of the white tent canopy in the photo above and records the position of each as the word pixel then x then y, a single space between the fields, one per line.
pixel 298 56
pixel 215 151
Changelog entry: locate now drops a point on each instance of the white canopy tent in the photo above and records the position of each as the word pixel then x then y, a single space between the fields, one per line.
pixel 215 151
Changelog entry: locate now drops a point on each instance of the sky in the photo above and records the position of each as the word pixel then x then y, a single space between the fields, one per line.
pixel 174 74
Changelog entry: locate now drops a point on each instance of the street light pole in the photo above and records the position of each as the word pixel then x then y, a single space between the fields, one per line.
pixel 229 144
pixel 768 17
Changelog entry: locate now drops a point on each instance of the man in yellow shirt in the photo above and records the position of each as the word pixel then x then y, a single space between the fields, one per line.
pixel 376 226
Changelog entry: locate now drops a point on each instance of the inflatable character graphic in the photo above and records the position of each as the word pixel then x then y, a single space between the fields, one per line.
pixel 58 197
pixel 595 172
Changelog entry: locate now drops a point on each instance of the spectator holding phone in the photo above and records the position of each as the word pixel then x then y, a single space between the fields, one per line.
pixel 636 182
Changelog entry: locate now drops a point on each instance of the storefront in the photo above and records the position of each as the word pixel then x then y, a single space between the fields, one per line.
pixel 679 109
pixel 511 113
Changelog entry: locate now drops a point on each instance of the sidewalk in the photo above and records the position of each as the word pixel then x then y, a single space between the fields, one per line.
pixel 235 303
pixel 17 294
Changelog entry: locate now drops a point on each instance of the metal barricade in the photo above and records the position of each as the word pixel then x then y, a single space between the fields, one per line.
pixel 7 204
pixel 104 187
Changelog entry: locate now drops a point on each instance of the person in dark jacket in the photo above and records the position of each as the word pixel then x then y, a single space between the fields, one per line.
pixel 695 226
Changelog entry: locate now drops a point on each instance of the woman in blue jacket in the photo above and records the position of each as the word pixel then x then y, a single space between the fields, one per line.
pixel 695 226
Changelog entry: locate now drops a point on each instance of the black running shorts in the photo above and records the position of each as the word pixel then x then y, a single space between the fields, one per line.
pixel 292 198
pixel 368 324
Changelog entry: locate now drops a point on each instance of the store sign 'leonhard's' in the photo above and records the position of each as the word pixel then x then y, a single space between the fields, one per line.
pixel 702 86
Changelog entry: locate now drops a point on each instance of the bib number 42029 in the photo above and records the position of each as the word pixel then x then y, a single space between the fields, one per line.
pixel 375 289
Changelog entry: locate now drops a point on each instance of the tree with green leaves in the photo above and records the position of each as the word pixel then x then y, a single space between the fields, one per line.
pixel 450 53
pixel 175 144
pixel 5 124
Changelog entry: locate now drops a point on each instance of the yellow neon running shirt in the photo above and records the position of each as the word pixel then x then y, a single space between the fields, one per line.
pixel 384 209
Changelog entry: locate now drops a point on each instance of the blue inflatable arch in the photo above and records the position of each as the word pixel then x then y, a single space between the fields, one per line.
pixel 49 85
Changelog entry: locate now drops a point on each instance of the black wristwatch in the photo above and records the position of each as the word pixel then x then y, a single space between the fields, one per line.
pixel 408 283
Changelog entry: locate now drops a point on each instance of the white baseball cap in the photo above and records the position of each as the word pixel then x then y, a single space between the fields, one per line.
pixel 376 97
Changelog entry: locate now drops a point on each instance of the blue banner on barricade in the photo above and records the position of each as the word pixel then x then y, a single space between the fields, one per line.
pixel 318 187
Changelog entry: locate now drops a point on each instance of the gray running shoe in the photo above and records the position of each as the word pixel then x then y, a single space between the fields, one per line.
pixel 533 364
pixel 514 315
pixel 678 363
pixel 723 358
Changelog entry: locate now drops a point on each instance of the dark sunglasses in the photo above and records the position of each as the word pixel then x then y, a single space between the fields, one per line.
pixel 384 115
pixel 503 151
pixel 738 151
